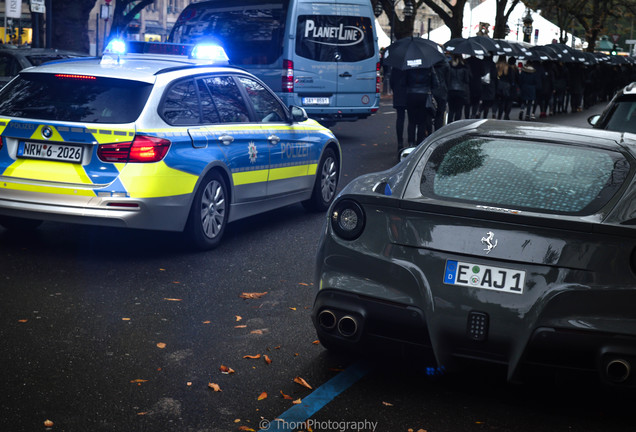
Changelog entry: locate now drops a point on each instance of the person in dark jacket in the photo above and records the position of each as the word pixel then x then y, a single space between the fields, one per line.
pixel 488 86
pixel 505 84
pixel 398 86
pixel 442 70
pixel 528 88
pixel 561 78
pixel 476 72
pixel 458 88
pixel 420 84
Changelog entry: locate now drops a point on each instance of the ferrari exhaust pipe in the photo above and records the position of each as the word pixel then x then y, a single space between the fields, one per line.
pixel 347 326
pixel 327 319
pixel 618 370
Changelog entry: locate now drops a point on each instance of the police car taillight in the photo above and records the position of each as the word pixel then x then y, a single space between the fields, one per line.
pixel 142 149
pixel 288 76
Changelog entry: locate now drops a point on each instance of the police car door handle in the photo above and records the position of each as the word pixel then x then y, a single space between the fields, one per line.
pixel 346 75
pixel 226 139
pixel 273 139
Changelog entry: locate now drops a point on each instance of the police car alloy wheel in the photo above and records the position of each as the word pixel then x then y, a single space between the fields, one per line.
pixel 209 214
pixel 326 183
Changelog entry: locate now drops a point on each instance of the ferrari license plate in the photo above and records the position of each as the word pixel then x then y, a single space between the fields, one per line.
pixel 483 276
pixel 49 151
pixel 315 101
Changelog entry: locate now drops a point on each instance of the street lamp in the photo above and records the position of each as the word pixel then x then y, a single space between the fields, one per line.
pixel 527 26
pixel 408 11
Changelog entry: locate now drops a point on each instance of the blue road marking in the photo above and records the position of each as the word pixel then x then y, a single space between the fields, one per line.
pixel 319 398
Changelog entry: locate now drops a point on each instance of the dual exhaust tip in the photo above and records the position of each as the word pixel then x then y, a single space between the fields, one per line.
pixel 617 370
pixel 347 325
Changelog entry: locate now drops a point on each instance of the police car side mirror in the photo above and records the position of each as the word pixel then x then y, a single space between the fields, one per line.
pixel 593 119
pixel 298 114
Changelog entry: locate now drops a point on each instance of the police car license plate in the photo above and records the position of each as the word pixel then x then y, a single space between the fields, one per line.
pixel 482 276
pixel 48 151
pixel 315 101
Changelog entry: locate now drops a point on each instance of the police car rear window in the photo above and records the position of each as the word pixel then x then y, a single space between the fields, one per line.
pixel 530 175
pixel 74 98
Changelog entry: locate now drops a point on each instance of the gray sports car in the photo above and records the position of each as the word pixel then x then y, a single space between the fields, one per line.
pixel 501 241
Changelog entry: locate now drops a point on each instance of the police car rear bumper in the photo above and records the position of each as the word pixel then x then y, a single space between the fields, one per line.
pixel 164 214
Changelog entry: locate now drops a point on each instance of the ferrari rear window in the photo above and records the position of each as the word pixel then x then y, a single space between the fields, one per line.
pixel 74 98
pixel 517 174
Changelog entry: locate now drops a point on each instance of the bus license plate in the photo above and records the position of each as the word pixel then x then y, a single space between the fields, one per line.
pixel 486 277
pixel 49 151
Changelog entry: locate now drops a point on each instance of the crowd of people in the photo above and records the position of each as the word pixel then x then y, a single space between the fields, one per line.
pixel 494 86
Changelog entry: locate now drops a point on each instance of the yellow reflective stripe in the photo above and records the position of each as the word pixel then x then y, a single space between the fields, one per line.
pixel 48 171
pixel 287 172
pixel 249 177
pixel 154 180
pixel 259 176
pixel 47 189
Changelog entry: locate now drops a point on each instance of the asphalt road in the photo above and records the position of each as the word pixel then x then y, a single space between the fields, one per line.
pixel 118 330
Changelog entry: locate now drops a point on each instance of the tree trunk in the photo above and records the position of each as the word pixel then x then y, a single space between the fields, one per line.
pixel 70 24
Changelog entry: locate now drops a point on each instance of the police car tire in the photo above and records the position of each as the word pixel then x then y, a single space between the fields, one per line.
pixel 326 183
pixel 206 230
pixel 19 224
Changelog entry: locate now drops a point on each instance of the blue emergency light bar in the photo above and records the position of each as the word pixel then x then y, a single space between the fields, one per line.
pixel 212 52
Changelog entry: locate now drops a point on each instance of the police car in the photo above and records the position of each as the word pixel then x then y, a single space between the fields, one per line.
pixel 156 136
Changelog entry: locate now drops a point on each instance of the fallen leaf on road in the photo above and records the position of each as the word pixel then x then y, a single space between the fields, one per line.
pixel 240 326
pixel 172 299
pixel 303 283
pixel 259 332
pixel 125 319
pixel 286 396
pixel 226 370
pixel 253 295
pixel 262 396
pixel 23 320
pixel 139 381
pixel 316 342
pixel 189 383
pixel 161 345
pixel 297 401
pixel 292 308
pixel 247 429
pixel 206 322
pixel 267 359
pixel 302 382
pixel 48 423
pixel 238 317
pixel 257 356
pixel 387 404
pixel 214 387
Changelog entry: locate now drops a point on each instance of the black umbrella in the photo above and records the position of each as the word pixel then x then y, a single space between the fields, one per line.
pixel 510 49
pixel 465 46
pixel 490 44
pixel 544 53
pixel 413 53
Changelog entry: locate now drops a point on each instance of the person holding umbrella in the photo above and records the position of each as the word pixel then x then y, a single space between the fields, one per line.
pixel 397 80
pixel 414 57
pixel 458 87
pixel 420 103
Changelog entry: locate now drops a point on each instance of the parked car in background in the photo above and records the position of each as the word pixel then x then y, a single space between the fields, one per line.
pixel 620 113
pixel 499 241
pixel 13 60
